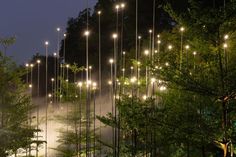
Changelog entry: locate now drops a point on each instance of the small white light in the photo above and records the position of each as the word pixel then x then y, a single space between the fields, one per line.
pixel 170 47
pixel 162 88
pixel 194 53
pixel 114 36
pixel 153 80
pixel 80 84
pixel 111 61
pixel 133 79
pixel 99 12
pixel 110 82
pixel 86 33
pixel 187 47
pixel 46 43
pixel 27 65
pixel 38 61
pixel 226 37
pixel 58 29
pixel 146 52
pixel 117 6
pixel 225 45
pixel 144 97
pixel 182 29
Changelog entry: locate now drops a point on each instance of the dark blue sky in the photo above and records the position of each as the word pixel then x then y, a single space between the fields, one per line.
pixel 33 22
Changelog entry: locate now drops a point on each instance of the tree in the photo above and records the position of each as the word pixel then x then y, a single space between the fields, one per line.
pixel 15 104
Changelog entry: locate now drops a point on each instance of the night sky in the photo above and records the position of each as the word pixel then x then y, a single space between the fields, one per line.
pixel 33 22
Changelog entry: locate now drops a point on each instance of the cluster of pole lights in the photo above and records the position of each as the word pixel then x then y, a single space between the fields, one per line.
pixel 133 80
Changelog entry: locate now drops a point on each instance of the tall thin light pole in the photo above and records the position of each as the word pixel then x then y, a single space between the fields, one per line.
pixel 67 95
pixel 115 86
pixel 146 53
pixel 150 43
pixel 55 76
pixel 122 6
pixel 31 96
pixel 111 61
pixel 87 98
pixel 94 118
pixel 153 27
pixel 80 114
pixel 100 76
pixel 187 48
pixel 27 73
pixel 181 47
pixel 136 33
pixel 57 64
pixel 38 90
pixel 46 98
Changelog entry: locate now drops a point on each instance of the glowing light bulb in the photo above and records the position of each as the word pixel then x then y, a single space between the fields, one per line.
pixel 146 52
pixel 170 47
pixel 226 37
pixel 86 33
pixel 225 45
pixel 153 80
pixel 38 61
pixel 46 43
pixel 187 47
pixel 114 35
pixel 182 29
pixel 58 29
pixel 111 61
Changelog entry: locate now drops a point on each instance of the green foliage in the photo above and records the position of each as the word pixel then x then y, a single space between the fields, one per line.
pixel 15 132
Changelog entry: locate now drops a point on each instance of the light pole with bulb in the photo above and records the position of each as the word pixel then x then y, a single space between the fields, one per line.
pixel 115 36
pixel 194 64
pixel 86 33
pixel 187 48
pixel 80 84
pixel 57 65
pixel 27 73
pixel 46 98
pixel 158 48
pixel 37 149
pixel 146 53
pixel 182 29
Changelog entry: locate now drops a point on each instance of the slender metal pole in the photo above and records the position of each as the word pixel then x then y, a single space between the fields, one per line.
pixel 94 123
pixel 57 66
pixel 31 96
pixel 100 79
pixel 37 149
pixel 55 77
pixel 181 50
pixel 80 118
pixel 46 100
pixel 136 35
pixel 153 28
